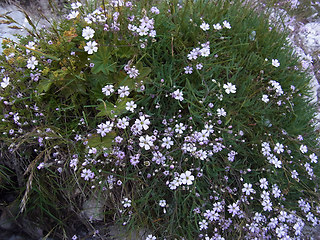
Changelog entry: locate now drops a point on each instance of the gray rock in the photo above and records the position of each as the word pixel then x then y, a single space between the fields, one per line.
pixel 7 218
pixel 118 232
pixel 93 209
pixel 311 232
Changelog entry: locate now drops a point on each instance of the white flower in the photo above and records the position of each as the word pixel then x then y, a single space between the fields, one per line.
pixel 174 184
pixel 265 98
pixel 122 123
pixel 258 217
pixel 247 188
pixel 41 165
pixel 152 33
pixel 132 28
pixel 201 154
pixel 205 51
pixel 294 174
pixel 104 128
pixel 193 55
pixel 92 150
pixel 233 209
pixel 278 148
pixel 303 148
pixel 32 62
pixel 305 206
pixel 73 15
pixel 226 24
pixel 151 237
pixel 265 195
pixel 180 128
pixel 87 174
pixel 217 26
pixel 203 135
pixel 276 191
pixel 186 178
pixel 188 70
pixel 178 95
pixel 147 22
pixel 31 45
pixel 167 142
pixel 277 163
pixel 281 231
pixel 5 82
pixel 229 88
pixel 123 91
pixel 76 5
pixel 199 66
pixel 130 106
pixel 142 123
pixel 87 33
pixel 126 202
pixel 162 203
pixel 142 30
pixel 91 47
pixel 314 158
pixel 263 183
pixel 155 10
pixel 310 217
pixel 74 163
pixel 107 90
pixel 277 87
pixel 133 72
pixel 205 26
pixel 146 142
pixel 267 205
pixel 117 3
pixel 221 112
pixel 275 63
pixel 203 224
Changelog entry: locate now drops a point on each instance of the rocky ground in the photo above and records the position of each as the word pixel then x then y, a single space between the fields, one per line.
pixel 304 36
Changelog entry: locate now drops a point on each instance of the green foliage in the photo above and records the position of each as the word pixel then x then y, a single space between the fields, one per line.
pixel 102 61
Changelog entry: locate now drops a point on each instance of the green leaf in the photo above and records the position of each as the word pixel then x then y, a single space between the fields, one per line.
pixel 105 109
pixel 144 71
pixel 111 110
pixel 122 79
pixel 98 141
pixel 102 61
pixel 121 105
pixel 39 52
pixel 44 85
pixel 123 49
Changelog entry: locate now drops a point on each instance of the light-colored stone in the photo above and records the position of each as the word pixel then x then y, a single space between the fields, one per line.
pixel 310 35
pixel 93 209
pixel 9 33
pixel 118 232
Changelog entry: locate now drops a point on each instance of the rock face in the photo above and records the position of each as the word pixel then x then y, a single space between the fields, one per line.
pixel 118 233
pixel 93 209
pixel 309 34
pixel 35 10
pixel 5 30
pixel 34 5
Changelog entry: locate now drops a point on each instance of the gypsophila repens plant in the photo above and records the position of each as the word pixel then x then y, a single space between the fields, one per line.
pixel 170 113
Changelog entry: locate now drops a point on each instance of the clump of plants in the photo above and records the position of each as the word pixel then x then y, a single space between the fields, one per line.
pixel 172 115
